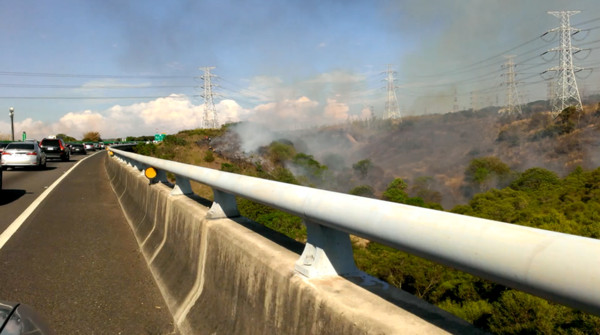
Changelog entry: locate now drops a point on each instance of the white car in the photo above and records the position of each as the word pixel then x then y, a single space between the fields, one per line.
pixel 23 154
pixel 89 147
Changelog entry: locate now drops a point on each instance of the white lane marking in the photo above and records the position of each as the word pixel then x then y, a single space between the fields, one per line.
pixel 15 225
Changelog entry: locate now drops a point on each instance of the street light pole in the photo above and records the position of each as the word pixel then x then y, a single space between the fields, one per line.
pixel 11 112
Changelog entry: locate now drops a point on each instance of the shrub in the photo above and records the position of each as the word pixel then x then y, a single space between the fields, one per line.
pixel 208 156
pixel 363 191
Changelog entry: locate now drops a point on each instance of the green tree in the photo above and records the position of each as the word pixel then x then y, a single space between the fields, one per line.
pixel 395 191
pixel 285 176
pixel 422 188
pixel 280 152
pixel 486 172
pixel 66 138
pixel 363 191
pixel 145 149
pixel 309 167
pixel 568 118
pixel 361 168
pixel 521 313
pixel 534 179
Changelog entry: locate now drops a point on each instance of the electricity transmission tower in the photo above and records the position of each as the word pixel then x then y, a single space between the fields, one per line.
pixel 455 103
pixel 551 91
pixel 474 101
pixel 512 96
pixel 209 119
pixel 391 105
pixel 566 92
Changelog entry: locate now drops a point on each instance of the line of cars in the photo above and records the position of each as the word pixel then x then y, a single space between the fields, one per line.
pixel 34 154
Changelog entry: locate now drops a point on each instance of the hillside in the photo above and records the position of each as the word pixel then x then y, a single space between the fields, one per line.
pixel 469 157
pixel 436 148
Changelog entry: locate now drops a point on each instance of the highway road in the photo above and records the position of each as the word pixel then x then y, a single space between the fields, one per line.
pixel 74 258
pixel 22 186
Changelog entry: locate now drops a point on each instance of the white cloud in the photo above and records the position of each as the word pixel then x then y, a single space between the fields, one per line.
pixel 33 129
pixel 229 111
pixel 338 76
pixel 286 114
pixel 170 115
pixel 326 98
pixel 76 124
pixel 365 113
pixel 336 111
pixel 264 88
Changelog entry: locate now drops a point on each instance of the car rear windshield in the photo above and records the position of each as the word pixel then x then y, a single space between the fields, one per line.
pixel 53 143
pixel 23 146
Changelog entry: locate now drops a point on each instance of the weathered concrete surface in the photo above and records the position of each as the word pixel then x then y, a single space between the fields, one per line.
pixel 236 277
pixel 76 262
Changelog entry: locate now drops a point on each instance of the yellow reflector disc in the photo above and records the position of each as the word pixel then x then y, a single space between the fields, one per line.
pixel 150 173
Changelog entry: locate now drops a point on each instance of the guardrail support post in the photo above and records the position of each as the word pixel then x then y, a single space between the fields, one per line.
pixel 224 206
pixel 328 252
pixel 138 165
pixel 161 176
pixel 182 186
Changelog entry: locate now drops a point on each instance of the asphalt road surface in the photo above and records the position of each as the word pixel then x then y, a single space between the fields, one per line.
pixel 22 186
pixel 75 259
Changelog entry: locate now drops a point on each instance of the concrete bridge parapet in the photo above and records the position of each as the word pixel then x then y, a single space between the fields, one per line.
pixel 234 276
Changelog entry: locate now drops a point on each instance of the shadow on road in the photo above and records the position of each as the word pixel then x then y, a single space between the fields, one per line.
pixel 32 169
pixel 8 196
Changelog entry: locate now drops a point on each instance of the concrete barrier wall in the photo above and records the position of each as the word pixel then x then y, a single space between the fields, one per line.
pixel 236 277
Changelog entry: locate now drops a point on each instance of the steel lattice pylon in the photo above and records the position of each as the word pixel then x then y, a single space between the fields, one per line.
pixel 566 92
pixel 513 106
pixel 209 119
pixel 391 105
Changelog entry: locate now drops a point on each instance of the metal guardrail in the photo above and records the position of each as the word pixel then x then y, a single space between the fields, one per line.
pixel 559 267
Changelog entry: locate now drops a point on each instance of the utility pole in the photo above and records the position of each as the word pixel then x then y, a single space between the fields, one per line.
pixel 512 96
pixel 11 113
pixel 209 119
pixel 566 93
pixel 391 105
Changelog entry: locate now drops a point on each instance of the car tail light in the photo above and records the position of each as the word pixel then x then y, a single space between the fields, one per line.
pixel 32 154
pixel 61 146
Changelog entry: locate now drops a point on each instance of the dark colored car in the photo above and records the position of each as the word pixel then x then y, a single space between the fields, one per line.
pixel 56 148
pixel 20 319
pixel 78 148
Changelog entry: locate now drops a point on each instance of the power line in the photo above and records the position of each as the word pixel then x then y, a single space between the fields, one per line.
pixel 89 98
pixel 93 86
pixel 71 75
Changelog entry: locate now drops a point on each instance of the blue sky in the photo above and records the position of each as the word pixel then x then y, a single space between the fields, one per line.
pixel 131 67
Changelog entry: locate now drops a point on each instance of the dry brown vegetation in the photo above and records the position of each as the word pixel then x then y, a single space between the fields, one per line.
pixel 438 147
